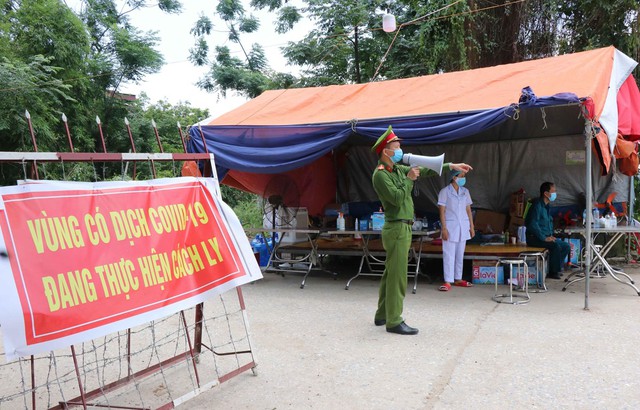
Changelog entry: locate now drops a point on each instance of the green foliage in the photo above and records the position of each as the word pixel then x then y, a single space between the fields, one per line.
pixel 244 204
pixel 346 44
pixel 249 76
pixel 230 10
pixel 29 84
pixel 135 53
pixel 88 56
pixel 249 213
pixel 287 17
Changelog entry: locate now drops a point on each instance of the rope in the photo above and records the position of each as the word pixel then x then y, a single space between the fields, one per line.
pixel 353 123
pixel 516 112
pixel 544 118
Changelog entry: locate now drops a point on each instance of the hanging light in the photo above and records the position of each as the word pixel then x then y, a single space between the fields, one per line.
pixel 389 23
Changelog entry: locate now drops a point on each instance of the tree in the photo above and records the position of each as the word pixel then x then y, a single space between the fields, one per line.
pixel 346 44
pixel 88 56
pixel 142 114
pixel 249 76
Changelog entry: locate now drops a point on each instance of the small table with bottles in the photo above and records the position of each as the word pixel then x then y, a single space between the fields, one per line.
pixel 372 260
pixel 295 262
pixel 599 254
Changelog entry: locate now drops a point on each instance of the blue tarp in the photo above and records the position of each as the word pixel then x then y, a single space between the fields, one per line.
pixel 280 148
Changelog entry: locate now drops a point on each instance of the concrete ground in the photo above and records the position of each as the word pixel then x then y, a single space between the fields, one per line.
pixel 318 348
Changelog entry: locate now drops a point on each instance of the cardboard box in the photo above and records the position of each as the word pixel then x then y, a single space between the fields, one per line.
pixel 534 275
pixel 518 196
pixel 516 209
pixel 377 221
pixel 514 223
pixel 576 247
pixel 484 272
pixel 487 221
pixel 516 204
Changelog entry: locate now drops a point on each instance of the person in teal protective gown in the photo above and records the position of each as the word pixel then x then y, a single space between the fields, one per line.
pixel 393 183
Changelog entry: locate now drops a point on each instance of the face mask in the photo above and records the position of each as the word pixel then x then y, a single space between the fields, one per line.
pixel 397 155
pixel 553 196
pixel 461 181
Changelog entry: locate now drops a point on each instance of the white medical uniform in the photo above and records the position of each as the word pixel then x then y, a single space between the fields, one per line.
pixel 458 225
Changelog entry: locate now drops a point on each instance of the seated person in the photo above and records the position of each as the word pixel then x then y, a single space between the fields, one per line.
pixel 540 230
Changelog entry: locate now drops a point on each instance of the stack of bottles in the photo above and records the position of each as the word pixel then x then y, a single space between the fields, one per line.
pixel 610 221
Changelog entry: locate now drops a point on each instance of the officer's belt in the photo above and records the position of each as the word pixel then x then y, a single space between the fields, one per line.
pixel 406 221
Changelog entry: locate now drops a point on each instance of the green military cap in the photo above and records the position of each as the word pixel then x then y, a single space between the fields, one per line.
pixel 384 139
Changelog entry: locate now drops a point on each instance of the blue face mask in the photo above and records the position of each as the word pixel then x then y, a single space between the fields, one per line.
pixel 553 196
pixel 461 181
pixel 397 155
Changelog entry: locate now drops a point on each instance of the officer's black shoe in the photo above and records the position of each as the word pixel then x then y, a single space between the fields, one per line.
pixel 403 329
pixel 553 276
pixel 379 322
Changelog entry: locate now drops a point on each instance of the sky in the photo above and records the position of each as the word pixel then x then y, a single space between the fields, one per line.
pixel 176 80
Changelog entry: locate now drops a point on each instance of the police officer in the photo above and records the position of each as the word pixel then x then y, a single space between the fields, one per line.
pixel 393 183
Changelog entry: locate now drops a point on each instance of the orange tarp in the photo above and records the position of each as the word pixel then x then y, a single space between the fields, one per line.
pixel 585 74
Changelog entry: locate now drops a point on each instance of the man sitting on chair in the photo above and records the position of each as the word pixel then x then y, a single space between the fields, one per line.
pixel 540 230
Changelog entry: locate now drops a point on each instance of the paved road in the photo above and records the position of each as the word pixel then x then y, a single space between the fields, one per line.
pixel 318 348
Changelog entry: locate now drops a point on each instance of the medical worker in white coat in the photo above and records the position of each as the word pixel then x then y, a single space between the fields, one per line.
pixel 454 204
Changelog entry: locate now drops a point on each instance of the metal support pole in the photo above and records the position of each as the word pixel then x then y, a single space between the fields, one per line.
pixel 193 358
pixel 197 330
pixel 632 199
pixel 66 127
pixel 104 146
pixel 204 141
pixel 129 370
pixel 155 130
pixel 588 138
pixel 133 145
pixel 75 364
pixel 33 382
pixel 33 140
pixel 184 144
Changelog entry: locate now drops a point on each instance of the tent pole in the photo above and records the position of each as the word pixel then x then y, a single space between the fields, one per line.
pixel 588 134
pixel 632 199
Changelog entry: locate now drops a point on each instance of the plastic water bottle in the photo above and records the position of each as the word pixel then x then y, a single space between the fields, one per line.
pixel 340 222
pixel 596 214
pixel 255 244
pixel 357 236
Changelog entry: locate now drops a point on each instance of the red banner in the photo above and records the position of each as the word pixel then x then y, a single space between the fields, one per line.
pixel 82 259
